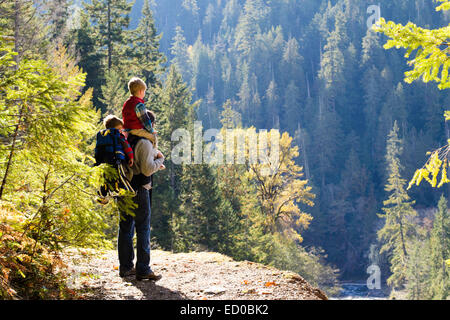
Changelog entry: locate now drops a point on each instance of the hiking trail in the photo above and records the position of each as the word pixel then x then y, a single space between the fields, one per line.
pixel 194 276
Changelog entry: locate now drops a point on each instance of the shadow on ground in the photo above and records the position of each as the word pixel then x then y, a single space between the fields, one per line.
pixel 152 291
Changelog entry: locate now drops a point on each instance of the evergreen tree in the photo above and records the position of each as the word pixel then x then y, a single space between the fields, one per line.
pixel 292 109
pixel 114 93
pixel 20 19
pixel 42 113
pixel 89 58
pixel 333 61
pixel 418 270
pixel 110 18
pixel 179 51
pixel 440 251
pixel 272 100
pixel 249 25
pixel 174 110
pixel 57 14
pixel 398 228
pixel 144 49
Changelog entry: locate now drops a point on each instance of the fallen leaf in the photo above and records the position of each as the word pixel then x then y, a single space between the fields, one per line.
pixel 116 268
pixel 245 282
pixel 270 284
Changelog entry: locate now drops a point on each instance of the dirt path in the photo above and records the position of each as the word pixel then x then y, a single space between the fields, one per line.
pixel 194 276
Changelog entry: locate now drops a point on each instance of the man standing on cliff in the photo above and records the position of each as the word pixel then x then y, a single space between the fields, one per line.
pixel 147 162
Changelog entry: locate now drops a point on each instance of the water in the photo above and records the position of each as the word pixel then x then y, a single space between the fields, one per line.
pixel 359 291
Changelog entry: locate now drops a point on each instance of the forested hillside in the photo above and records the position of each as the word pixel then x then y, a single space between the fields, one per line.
pixel 353 132
pixel 313 69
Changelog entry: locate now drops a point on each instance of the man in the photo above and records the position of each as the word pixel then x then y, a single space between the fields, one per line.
pixel 147 162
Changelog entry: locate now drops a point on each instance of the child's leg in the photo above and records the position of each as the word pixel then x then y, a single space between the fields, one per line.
pixel 145 134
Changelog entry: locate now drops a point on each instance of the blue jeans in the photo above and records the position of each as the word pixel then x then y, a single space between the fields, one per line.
pixel 126 233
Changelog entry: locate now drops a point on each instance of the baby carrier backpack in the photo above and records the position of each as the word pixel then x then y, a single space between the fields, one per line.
pixel 109 150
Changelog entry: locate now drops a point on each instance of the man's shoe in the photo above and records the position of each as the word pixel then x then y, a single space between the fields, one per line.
pixel 150 276
pixel 124 274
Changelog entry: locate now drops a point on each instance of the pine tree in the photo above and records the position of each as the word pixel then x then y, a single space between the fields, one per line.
pixel 333 61
pixel 114 93
pixel 201 66
pixel 201 204
pixel 179 51
pixel 230 118
pixel 398 211
pixel 440 251
pixel 292 108
pixel 292 68
pixel 249 25
pixel 272 100
pixel 42 113
pixel 110 18
pixel 20 19
pixel 174 110
pixel 372 53
pixel 144 49
pixel 418 270
pixel 57 14
pixel 90 59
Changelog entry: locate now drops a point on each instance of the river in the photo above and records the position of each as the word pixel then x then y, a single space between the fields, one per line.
pixel 358 290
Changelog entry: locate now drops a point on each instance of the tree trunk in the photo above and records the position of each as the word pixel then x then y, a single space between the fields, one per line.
pixel 109 37
pixel 403 239
pixel 11 154
pixel 17 8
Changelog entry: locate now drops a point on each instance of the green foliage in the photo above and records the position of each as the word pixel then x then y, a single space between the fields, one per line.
pixel 110 18
pixel 432 60
pixel 83 40
pixel 418 270
pixel 398 211
pixel 46 171
pixel 310 68
pixel 431 63
pixel 439 251
pixel 27 269
pixel 114 93
pixel 281 190
pixel 147 60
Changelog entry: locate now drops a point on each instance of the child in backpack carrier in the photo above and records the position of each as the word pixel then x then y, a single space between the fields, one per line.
pixel 112 148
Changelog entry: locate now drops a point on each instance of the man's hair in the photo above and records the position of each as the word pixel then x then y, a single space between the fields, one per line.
pixel 152 116
pixel 135 85
pixel 111 122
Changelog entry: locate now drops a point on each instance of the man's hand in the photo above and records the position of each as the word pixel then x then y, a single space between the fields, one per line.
pixel 131 162
pixel 159 155
pixel 163 167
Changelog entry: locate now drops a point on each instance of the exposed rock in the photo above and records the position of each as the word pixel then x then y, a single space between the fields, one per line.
pixel 196 276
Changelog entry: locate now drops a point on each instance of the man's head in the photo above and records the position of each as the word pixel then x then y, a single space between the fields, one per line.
pixel 137 87
pixel 112 122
